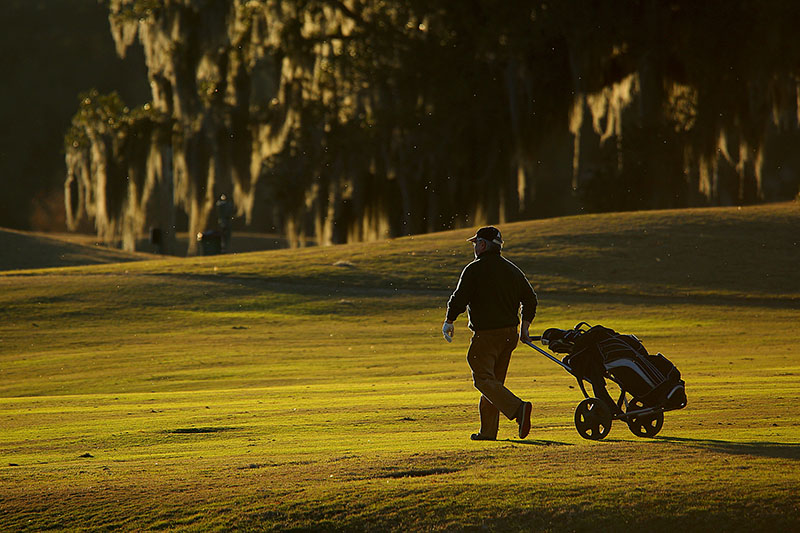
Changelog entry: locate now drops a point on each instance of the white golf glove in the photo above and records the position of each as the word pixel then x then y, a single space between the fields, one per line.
pixel 448 330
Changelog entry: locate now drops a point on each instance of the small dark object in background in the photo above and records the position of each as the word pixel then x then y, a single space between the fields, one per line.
pixel 155 236
pixel 156 240
pixel 210 242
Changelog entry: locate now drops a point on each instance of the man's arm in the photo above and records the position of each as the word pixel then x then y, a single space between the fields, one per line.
pixel 529 303
pixel 460 298
pixel 457 303
pixel 524 334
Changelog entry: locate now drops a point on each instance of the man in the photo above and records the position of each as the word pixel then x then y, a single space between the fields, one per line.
pixel 492 288
pixel 224 217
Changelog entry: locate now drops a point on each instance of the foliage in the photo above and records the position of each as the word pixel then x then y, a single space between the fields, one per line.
pixel 361 119
pixel 52 51
pixel 107 150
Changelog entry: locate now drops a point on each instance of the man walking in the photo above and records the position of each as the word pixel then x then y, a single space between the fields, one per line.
pixel 493 288
pixel 224 217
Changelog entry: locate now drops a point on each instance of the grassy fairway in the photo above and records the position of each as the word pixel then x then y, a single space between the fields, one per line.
pixel 311 389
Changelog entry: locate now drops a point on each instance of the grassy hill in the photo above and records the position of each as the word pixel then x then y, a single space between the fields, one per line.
pixel 30 250
pixel 24 250
pixel 311 389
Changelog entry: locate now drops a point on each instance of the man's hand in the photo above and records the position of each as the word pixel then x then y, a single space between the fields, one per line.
pixel 524 336
pixel 448 330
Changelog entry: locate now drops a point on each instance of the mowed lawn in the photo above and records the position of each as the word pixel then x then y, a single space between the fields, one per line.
pixel 311 389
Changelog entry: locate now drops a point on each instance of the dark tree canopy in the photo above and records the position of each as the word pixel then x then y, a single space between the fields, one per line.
pixel 50 51
pixel 338 120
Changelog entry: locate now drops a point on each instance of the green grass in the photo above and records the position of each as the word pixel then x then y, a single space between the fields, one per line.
pixel 311 390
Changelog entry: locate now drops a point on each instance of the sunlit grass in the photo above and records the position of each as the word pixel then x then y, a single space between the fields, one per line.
pixel 281 391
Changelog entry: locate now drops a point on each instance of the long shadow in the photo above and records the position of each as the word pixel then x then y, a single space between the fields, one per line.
pixel 622 297
pixel 363 284
pixel 536 442
pixel 775 450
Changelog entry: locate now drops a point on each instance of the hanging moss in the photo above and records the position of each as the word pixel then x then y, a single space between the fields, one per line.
pixel 363 119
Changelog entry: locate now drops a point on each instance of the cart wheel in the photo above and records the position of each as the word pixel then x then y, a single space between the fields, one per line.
pixel 645 425
pixel 592 419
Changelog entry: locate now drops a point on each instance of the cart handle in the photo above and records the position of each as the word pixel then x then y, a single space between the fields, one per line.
pixel 554 359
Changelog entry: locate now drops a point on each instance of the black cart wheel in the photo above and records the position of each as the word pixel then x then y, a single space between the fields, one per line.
pixel 592 419
pixel 645 425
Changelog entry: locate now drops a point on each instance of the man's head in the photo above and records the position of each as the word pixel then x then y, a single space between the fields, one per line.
pixel 486 238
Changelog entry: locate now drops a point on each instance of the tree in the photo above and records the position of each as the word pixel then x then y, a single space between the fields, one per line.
pixel 340 120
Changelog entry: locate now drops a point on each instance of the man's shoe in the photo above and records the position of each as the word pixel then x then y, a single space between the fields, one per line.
pixel 478 436
pixel 524 419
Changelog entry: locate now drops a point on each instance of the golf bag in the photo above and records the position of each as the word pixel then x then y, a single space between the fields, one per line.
pixel 652 380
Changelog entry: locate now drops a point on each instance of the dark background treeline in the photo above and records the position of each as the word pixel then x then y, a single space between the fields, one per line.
pixel 347 120
pixel 50 51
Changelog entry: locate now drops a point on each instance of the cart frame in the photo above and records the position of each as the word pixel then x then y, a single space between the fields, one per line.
pixel 593 417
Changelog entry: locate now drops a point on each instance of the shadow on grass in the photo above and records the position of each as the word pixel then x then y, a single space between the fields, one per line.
pixel 536 442
pixel 775 450
pixel 415 472
pixel 199 430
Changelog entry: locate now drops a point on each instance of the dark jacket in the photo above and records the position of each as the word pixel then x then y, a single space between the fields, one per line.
pixel 492 287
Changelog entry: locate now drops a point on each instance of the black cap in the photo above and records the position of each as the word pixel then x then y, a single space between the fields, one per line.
pixel 489 233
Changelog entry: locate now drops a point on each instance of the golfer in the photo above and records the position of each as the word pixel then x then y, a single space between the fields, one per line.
pixel 492 289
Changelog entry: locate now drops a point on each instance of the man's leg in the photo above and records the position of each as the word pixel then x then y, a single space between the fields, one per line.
pixel 523 413
pixel 489 355
pixel 490 418
pixel 490 415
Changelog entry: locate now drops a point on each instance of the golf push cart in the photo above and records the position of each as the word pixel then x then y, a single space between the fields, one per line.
pixel 650 384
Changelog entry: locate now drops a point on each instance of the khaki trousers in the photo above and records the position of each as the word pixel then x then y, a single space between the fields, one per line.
pixel 488 357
